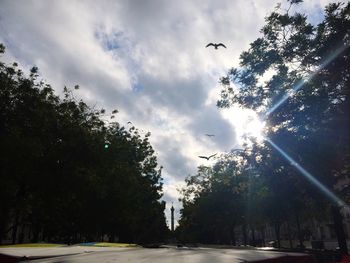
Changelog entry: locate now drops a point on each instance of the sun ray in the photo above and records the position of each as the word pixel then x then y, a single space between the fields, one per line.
pixel 308 175
pixel 300 84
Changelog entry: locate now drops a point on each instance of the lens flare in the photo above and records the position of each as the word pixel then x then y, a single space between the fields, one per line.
pixel 247 124
pixel 308 176
pixel 255 129
pixel 301 83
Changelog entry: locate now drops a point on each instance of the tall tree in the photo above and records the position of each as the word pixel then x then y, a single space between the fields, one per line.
pixel 296 77
pixel 305 99
pixel 69 176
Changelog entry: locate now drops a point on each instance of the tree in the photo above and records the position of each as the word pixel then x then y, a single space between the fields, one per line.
pixel 59 180
pixel 221 198
pixel 305 100
pixel 296 77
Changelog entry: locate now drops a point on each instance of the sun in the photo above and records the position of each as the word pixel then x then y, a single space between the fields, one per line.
pixel 254 128
pixel 247 124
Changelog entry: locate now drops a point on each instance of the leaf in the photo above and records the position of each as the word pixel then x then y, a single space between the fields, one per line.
pixel 34 70
pixel 2 48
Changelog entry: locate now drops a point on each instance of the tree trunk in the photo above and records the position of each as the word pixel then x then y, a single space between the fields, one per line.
pixel 244 230
pixel 1 233
pixel 277 233
pixel 14 228
pixel 3 224
pixel 233 238
pixel 253 237
pixel 262 232
pixel 289 235
pixel 339 230
pixel 300 236
pixel 35 237
pixel 21 234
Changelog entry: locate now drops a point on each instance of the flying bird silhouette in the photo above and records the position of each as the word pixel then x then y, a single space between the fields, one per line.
pixel 207 157
pixel 129 122
pixel 216 45
pixel 209 135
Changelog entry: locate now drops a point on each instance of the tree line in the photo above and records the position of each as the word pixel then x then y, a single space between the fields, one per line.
pixel 296 77
pixel 69 172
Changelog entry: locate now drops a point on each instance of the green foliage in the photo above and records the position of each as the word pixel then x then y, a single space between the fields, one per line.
pixel 311 62
pixel 66 175
pixel 311 124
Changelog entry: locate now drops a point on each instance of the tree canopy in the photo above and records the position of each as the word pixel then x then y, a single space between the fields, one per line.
pixel 296 78
pixel 70 172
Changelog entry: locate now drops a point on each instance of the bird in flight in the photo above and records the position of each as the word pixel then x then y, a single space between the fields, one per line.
pixel 209 135
pixel 216 45
pixel 207 157
pixel 129 122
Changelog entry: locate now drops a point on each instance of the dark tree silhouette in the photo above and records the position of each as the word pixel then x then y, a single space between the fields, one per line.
pixel 68 176
pixel 304 100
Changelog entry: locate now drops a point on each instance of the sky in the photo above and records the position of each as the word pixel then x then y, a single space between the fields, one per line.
pixel 147 58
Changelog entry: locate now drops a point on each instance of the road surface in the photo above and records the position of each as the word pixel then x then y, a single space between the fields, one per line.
pixel 76 254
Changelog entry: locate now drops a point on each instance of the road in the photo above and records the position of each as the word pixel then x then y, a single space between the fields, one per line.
pixel 155 255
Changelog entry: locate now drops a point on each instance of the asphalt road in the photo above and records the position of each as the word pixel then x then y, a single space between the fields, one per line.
pixel 164 255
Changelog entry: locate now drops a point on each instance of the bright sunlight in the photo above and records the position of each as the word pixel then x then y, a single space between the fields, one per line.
pixel 248 125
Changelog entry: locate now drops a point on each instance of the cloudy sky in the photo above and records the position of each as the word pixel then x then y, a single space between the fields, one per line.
pixel 147 58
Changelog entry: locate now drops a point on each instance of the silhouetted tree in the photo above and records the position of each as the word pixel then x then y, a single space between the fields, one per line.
pixel 296 77
pixel 68 176
pixel 310 63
